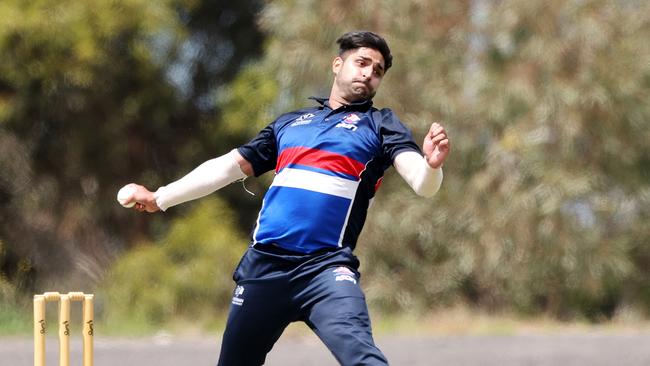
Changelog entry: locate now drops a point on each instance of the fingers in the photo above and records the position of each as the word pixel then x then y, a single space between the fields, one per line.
pixel 436 129
pixel 144 208
pixel 436 145
pixel 137 197
pixel 444 142
pixel 437 139
pixel 437 134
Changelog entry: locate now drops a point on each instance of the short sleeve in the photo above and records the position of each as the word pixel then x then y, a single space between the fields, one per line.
pixel 396 137
pixel 262 151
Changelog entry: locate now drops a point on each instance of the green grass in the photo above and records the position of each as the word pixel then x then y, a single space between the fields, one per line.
pixel 135 327
pixel 462 320
pixel 14 321
pixel 17 321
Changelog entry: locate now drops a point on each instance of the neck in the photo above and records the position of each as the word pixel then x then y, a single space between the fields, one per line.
pixel 336 101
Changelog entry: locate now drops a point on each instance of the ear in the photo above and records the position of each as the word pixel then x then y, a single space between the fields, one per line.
pixel 336 64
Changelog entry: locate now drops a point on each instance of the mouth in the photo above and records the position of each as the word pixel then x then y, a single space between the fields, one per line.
pixel 360 83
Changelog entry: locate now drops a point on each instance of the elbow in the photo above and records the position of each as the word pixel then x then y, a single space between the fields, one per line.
pixel 244 165
pixel 430 185
pixel 424 180
pixel 427 191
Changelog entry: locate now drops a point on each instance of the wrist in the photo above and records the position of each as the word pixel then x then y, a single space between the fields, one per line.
pixel 430 165
pixel 158 199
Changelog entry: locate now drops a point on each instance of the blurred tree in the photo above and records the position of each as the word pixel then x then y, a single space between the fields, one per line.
pixel 185 275
pixel 546 191
pixel 95 94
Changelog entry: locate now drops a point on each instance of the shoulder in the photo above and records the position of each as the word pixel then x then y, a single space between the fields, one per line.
pixel 395 135
pixel 386 118
pixel 386 112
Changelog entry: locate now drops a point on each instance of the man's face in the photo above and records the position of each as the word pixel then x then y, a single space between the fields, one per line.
pixel 358 73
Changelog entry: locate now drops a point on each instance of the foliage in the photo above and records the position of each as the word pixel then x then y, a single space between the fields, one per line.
pixel 93 95
pixel 545 194
pixel 187 274
pixel 545 197
pixel 12 319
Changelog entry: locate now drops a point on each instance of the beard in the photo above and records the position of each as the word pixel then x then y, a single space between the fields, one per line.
pixel 359 90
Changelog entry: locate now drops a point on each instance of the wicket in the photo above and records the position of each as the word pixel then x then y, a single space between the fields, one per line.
pixel 64 326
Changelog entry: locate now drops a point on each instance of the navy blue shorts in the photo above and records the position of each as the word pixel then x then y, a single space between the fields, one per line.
pixel 275 288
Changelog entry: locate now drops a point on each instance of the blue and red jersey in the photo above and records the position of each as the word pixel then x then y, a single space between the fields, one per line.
pixel 328 165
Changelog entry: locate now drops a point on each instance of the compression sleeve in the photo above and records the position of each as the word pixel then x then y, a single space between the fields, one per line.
pixel 203 180
pixel 415 170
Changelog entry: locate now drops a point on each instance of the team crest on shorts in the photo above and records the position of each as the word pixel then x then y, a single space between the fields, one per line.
pixel 344 274
pixel 236 299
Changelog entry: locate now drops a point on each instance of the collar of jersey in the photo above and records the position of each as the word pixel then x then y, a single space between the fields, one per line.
pixel 363 104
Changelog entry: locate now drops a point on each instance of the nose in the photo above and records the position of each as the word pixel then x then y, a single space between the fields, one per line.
pixel 366 72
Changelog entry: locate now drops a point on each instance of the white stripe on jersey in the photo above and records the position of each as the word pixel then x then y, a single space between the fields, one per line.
pixel 316 182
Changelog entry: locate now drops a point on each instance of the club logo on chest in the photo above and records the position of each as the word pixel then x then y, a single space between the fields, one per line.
pixel 349 122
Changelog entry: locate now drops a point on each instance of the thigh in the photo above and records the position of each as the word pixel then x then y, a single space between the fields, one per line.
pixel 259 313
pixel 336 310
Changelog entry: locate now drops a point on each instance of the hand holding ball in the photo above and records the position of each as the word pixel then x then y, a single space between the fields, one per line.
pixel 125 195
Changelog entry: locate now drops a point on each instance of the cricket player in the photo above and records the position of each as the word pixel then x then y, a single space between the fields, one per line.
pixel 328 161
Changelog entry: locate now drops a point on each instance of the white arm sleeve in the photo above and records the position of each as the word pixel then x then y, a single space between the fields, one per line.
pixel 205 179
pixel 415 170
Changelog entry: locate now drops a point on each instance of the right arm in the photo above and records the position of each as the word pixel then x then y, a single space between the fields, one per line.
pixel 254 158
pixel 206 178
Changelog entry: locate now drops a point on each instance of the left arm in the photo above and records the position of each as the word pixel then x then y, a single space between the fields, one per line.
pixel 424 173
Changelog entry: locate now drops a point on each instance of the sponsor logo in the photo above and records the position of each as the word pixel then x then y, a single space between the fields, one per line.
pixel 344 274
pixel 349 122
pixel 346 278
pixel 305 119
pixel 237 300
